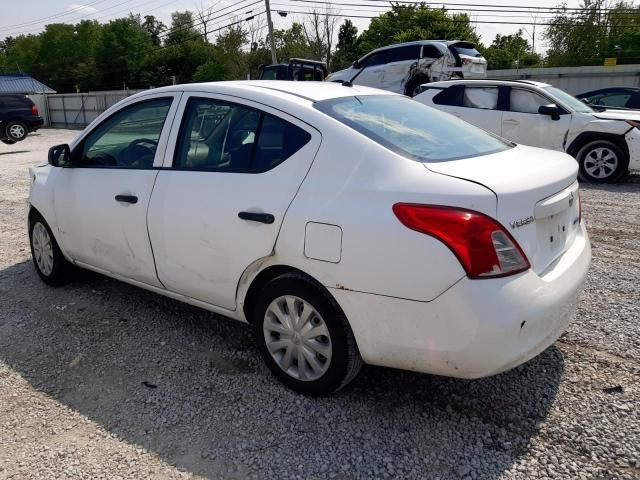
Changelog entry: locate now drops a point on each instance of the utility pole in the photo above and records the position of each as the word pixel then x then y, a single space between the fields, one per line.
pixel 274 59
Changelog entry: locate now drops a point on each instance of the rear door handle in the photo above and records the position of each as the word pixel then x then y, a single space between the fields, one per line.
pixel 126 198
pixel 510 121
pixel 257 217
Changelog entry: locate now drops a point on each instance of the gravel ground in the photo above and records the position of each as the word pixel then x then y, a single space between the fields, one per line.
pixel 100 379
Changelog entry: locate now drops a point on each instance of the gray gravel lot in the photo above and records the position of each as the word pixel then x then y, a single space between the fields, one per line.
pixel 100 379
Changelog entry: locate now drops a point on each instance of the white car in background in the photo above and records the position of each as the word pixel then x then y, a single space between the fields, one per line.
pixel 346 224
pixel 605 143
pixel 403 67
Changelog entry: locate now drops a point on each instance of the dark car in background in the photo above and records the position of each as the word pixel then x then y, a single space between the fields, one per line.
pixel 298 69
pixel 18 117
pixel 627 98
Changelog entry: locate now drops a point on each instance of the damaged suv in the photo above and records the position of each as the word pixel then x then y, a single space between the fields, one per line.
pixel 403 67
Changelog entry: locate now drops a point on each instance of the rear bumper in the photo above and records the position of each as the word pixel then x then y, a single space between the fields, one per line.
pixel 35 123
pixel 476 328
pixel 632 138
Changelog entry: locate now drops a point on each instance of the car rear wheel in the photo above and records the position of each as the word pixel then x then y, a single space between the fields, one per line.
pixel 601 161
pixel 49 261
pixel 16 131
pixel 413 85
pixel 304 337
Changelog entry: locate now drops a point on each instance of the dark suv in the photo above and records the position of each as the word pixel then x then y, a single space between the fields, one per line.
pixel 18 117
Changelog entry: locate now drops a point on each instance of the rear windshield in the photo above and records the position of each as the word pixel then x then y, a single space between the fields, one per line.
pixel 468 49
pixel 412 129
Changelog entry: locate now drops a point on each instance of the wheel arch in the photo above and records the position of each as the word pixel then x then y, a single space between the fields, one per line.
pixel 586 137
pixel 264 276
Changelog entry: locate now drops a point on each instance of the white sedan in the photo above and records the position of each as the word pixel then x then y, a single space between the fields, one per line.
pixel 606 144
pixel 348 225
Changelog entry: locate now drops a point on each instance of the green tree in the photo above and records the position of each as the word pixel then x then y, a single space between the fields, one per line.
pixel 347 47
pixel 593 33
pixel 404 23
pixel 231 42
pixel 511 51
pixel 211 71
pixel 121 54
pixel 155 28
pixel 182 29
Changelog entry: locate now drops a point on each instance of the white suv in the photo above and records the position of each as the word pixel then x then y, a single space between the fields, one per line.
pixel 605 143
pixel 404 67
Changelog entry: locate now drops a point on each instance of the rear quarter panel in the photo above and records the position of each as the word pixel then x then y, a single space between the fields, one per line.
pixel 354 184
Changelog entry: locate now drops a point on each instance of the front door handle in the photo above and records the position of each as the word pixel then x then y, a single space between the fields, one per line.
pixel 126 198
pixel 511 121
pixel 257 217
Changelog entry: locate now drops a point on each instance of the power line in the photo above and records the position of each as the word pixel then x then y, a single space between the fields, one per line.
pixel 56 15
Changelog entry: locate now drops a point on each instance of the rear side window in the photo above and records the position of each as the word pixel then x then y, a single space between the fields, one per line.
pixel 611 99
pixel 402 54
pixel 431 51
pixel 410 128
pixel 449 96
pixel 480 97
pixel 223 136
pixel 16 101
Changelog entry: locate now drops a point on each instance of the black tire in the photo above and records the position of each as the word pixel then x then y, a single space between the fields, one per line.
pixel 345 362
pixel 413 85
pixel 8 142
pixel 593 167
pixel 16 131
pixel 61 271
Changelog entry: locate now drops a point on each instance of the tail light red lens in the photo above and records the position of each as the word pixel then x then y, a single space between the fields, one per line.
pixel 483 246
pixel 34 110
pixel 466 61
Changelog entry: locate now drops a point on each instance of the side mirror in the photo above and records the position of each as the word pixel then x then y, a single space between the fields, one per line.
pixel 586 101
pixel 60 155
pixel 551 110
pixel 356 64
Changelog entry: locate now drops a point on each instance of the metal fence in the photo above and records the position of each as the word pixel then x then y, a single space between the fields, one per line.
pixel 76 110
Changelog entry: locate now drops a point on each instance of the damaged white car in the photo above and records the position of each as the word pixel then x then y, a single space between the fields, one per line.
pixel 403 67
pixel 606 144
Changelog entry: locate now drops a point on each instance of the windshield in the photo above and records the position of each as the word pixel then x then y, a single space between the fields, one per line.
pixel 568 100
pixel 412 129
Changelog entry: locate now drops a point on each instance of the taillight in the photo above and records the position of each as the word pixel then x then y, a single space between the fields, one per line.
pixel 34 110
pixel 483 246
pixel 466 61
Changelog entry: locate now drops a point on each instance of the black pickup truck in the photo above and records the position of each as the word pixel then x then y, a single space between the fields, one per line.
pixel 298 69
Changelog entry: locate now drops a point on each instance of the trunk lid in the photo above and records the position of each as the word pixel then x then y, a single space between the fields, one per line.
pixel 537 196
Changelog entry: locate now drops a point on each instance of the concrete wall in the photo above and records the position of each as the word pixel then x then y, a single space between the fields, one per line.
pixel 576 80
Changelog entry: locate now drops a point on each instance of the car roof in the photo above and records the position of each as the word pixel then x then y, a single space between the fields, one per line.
pixel 420 42
pixel 486 81
pixel 309 91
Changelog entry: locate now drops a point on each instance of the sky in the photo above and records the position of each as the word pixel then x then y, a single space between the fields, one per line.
pixel 30 16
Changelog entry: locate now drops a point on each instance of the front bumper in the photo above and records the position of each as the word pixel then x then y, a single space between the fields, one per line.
pixel 476 328
pixel 632 138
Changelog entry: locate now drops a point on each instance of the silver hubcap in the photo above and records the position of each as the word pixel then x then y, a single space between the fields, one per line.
pixel 297 338
pixel 17 131
pixel 600 162
pixel 42 249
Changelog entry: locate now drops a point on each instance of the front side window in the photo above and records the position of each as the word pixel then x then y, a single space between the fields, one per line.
pixel 127 139
pixel 223 136
pixel 526 101
pixel 410 128
pixel 480 97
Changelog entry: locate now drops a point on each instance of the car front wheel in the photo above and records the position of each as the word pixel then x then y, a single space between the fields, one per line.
pixel 304 337
pixel 49 261
pixel 16 131
pixel 601 161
